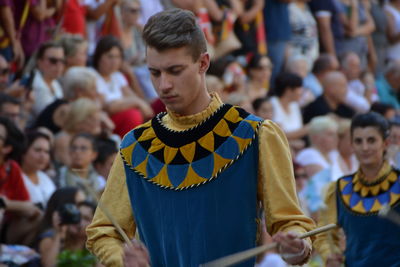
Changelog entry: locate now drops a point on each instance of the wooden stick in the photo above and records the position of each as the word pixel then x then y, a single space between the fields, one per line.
pixel 108 214
pixel 247 254
pixel 388 213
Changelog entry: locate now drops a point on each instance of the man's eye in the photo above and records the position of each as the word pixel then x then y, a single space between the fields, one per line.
pixel 155 73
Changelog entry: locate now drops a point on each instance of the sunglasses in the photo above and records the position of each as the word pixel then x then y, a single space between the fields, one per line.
pixel 4 71
pixel 55 61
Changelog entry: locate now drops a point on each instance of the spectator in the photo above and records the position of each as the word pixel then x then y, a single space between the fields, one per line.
pixel 386 110
pixel 262 107
pixel 55 234
pixel 35 160
pixel 22 216
pixel 304 39
pixel 121 103
pixel 259 74
pixel 356 96
pixel 107 151
pixel 4 74
pixel 392 9
pixel 83 117
pixel 80 171
pixel 379 36
pixel 287 93
pixel 388 85
pixel 324 64
pixel 75 49
pixel 50 66
pixel 322 152
pixel 10 107
pixel 74 17
pixel 332 99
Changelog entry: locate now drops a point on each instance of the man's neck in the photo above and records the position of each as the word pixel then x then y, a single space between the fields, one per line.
pixel 331 103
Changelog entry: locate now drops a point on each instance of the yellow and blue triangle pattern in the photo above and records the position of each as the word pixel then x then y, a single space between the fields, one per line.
pixel 181 162
pixel 366 199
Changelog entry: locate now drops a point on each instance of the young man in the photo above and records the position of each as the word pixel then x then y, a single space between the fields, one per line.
pixel 191 179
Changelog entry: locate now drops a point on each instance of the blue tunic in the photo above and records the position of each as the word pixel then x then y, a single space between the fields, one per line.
pixel 200 203
pixel 371 241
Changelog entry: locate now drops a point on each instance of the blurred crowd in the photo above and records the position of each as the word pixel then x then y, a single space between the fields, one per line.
pixel 74 81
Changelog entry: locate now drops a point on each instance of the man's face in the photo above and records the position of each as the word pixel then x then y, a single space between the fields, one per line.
pixel 178 80
pixel 11 111
pixel 4 74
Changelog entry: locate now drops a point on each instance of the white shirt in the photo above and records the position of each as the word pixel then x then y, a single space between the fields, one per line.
pixel 41 192
pixel 111 90
pixel 312 156
pixel 43 94
pixel 289 121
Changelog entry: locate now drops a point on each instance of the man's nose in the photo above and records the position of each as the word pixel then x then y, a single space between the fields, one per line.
pixel 165 83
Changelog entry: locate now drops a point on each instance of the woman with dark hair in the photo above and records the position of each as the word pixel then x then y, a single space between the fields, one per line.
pixel 259 72
pixel 353 202
pixel 125 108
pixel 35 160
pixel 60 218
pixel 285 102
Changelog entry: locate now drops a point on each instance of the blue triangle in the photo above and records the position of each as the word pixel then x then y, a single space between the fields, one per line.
pixel 368 202
pixel 244 130
pixel 177 173
pixel 229 149
pixel 128 140
pixel 204 167
pixel 138 155
pixel 153 167
pixel 396 187
pixel 384 198
pixel 348 189
pixel 252 117
pixel 354 199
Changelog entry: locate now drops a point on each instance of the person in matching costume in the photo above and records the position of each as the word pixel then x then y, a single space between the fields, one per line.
pixel 194 180
pixel 353 202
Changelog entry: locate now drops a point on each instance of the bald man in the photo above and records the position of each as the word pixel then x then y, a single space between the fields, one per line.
pixel 332 99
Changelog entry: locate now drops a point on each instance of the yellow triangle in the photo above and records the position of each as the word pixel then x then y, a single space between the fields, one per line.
pixel 188 151
pixel 147 134
pixel 222 129
pixel 364 191
pixel 342 184
pixel 232 115
pixel 377 206
pixel 392 177
pixel 253 124
pixel 219 162
pixel 207 141
pixel 346 199
pixel 156 145
pixel 142 167
pixel 375 189
pixel 162 177
pixel 357 187
pixel 127 153
pixel 241 142
pixel 169 154
pixel 385 185
pixel 394 197
pixel 359 207
pixel 192 178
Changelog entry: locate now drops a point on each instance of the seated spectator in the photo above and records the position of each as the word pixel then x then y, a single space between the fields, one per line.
pixel 80 171
pixel 287 93
pixel 323 64
pixel 386 110
pixel 332 99
pixel 259 73
pixel 83 117
pixel 22 216
pixel 76 50
pixel 50 66
pixel 322 152
pixel 10 107
pixel 357 95
pixel 125 108
pixel 107 149
pixel 35 159
pixel 262 107
pixel 57 224
pixel 388 85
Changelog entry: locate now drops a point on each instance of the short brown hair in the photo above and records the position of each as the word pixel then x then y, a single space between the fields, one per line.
pixel 175 28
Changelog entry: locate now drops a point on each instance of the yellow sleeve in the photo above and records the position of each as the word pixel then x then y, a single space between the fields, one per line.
pixel 277 184
pixel 103 239
pixel 328 242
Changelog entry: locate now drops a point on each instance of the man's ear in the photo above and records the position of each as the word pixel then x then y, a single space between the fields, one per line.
pixel 204 62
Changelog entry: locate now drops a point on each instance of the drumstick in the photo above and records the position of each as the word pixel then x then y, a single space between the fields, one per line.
pixel 247 254
pixel 388 213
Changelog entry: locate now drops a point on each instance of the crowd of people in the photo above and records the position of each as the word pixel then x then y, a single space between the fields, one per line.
pixel 74 81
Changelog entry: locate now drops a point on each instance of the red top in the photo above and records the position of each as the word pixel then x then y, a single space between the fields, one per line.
pixel 11 183
pixel 74 18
